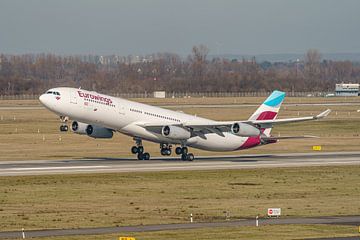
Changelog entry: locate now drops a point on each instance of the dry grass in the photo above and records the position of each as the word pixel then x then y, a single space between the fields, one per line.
pixel 89 200
pixel 19 138
pixel 143 198
pixel 207 100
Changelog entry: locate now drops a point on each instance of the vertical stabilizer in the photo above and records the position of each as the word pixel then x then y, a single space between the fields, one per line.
pixel 269 109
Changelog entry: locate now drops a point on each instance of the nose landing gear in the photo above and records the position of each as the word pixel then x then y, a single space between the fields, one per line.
pixel 139 150
pixel 64 127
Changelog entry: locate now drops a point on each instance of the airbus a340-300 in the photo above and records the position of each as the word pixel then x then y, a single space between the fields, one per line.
pixel 99 116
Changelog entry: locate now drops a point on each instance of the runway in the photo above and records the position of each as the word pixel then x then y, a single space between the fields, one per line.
pixel 343 220
pixel 109 165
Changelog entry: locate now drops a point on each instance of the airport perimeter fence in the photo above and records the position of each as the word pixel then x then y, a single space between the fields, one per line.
pixel 181 95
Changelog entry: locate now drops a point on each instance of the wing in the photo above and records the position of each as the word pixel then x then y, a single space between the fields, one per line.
pixel 262 123
pixel 219 127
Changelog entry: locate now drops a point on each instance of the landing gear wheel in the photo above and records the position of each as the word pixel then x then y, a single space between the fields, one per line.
pixel 140 156
pixel 146 156
pixel 190 157
pixel 183 157
pixel 178 150
pixel 64 128
pixel 165 152
pixel 134 149
pixel 162 151
pixel 184 150
pixel 165 149
pixel 140 149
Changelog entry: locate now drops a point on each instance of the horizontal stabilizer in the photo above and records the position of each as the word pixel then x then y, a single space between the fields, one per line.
pixel 273 138
pixel 323 114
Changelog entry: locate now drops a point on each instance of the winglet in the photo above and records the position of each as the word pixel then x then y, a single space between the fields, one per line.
pixel 323 114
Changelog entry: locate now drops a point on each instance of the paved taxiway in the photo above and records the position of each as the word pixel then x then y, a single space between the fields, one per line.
pixel 343 220
pixel 106 165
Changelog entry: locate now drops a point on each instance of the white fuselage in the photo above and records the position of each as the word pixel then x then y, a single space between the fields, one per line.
pixel 127 117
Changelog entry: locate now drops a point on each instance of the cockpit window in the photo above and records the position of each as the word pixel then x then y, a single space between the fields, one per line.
pixel 53 93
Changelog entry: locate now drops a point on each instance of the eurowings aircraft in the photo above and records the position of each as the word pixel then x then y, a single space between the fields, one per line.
pixel 99 116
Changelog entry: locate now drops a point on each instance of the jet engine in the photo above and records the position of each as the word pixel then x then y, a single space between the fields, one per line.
pixel 79 127
pixel 175 132
pixel 245 130
pixel 98 132
pixel 91 130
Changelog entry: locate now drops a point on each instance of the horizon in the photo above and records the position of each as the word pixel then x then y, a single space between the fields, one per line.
pixel 277 57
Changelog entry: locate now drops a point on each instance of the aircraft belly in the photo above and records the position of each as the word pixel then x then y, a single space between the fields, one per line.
pixel 138 131
pixel 214 142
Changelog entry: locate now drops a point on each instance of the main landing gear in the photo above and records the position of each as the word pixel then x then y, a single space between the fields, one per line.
pixel 183 151
pixel 139 150
pixel 165 149
pixel 185 155
pixel 64 127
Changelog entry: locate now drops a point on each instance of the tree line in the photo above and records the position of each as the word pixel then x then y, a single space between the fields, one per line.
pixel 24 74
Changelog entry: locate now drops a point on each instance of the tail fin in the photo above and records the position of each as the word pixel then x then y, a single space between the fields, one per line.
pixel 269 109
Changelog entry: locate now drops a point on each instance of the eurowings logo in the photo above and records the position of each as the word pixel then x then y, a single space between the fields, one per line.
pixel 94 97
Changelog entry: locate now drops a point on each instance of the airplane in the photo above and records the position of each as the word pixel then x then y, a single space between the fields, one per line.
pixel 99 116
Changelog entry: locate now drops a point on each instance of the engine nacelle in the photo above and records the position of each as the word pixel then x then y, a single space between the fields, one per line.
pixel 98 132
pixel 79 127
pixel 91 130
pixel 175 132
pixel 245 130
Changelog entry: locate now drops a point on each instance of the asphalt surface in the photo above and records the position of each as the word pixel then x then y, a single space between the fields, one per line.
pixel 352 220
pixel 106 165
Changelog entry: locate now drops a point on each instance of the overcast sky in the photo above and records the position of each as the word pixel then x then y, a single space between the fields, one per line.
pixel 149 26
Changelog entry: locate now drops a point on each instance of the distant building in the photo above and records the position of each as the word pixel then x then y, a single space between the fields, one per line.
pixel 347 89
pixel 159 94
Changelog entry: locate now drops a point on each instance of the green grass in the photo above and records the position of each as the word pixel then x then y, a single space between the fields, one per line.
pixel 90 200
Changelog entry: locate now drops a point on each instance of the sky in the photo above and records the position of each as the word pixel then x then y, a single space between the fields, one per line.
pixel 126 27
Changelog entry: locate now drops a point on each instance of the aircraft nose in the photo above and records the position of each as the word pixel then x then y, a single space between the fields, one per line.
pixel 42 99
